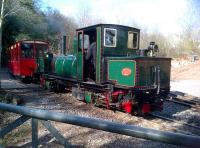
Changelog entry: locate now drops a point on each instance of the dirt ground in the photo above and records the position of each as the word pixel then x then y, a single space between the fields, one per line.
pixel 185 70
pixel 185 77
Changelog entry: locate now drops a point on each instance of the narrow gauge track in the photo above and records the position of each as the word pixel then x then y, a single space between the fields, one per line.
pixel 175 121
pixel 187 103
pixel 21 88
pixel 26 89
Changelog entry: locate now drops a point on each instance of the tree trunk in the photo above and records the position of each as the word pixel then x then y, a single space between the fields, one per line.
pixel 1 23
pixel 0 47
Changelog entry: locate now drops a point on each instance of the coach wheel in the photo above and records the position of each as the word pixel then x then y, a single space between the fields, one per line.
pixel 26 80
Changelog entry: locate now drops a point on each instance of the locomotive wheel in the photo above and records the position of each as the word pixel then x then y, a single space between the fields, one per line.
pixel 59 88
pixel 49 86
pixel 137 111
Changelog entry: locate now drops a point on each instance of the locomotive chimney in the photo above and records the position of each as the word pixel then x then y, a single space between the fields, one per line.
pixel 64 45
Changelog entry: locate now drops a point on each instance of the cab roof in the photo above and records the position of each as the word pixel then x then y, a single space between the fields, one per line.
pixel 108 25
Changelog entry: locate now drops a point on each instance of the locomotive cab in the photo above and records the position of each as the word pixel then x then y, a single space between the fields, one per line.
pixel 97 43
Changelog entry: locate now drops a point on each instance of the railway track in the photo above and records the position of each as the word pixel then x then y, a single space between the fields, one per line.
pixel 188 103
pixel 175 121
pixel 183 102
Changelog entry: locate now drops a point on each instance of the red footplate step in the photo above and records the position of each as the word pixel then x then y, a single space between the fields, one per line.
pixel 146 108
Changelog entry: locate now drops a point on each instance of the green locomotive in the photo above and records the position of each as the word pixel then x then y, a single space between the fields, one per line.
pixel 107 68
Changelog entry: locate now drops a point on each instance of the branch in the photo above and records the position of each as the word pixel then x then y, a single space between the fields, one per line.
pixel 2 8
pixel 11 12
pixel 14 10
pixel 12 7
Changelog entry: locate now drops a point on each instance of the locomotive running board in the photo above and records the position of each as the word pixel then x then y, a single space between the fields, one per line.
pixel 88 85
pixel 95 86
pixel 60 78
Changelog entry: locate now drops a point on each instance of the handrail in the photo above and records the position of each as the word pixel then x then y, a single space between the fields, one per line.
pixel 130 130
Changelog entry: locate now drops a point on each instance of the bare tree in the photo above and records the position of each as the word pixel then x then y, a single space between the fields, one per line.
pixel 1 22
pixel 189 37
pixel 163 42
pixel 84 17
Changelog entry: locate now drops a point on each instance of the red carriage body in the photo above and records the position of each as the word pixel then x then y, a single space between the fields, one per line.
pixel 22 58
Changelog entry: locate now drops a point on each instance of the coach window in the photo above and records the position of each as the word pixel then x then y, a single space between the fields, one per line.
pixel 110 37
pixel 27 50
pixel 41 49
pixel 132 40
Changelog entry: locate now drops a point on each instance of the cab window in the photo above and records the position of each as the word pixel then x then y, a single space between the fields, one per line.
pixel 110 37
pixel 132 40
pixel 86 41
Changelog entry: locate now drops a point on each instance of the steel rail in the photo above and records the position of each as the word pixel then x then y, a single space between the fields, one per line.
pixel 175 121
pixel 179 102
pixel 175 97
pixel 130 130
pixel 19 88
pixel 184 103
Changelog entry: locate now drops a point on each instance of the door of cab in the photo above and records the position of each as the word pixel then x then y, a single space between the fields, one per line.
pixel 80 51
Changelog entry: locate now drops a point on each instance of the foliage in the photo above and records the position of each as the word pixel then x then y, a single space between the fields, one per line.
pixel 187 43
pixel 24 19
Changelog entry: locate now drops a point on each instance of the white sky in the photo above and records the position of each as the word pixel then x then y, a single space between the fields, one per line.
pixel 165 16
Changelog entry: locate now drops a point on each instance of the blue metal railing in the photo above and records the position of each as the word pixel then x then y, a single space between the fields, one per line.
pixel 130 130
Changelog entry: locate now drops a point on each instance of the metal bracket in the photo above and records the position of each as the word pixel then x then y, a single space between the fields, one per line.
pixel 56 133
pixel 13 125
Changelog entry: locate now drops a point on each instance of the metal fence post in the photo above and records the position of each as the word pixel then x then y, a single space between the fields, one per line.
pixel 34 133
